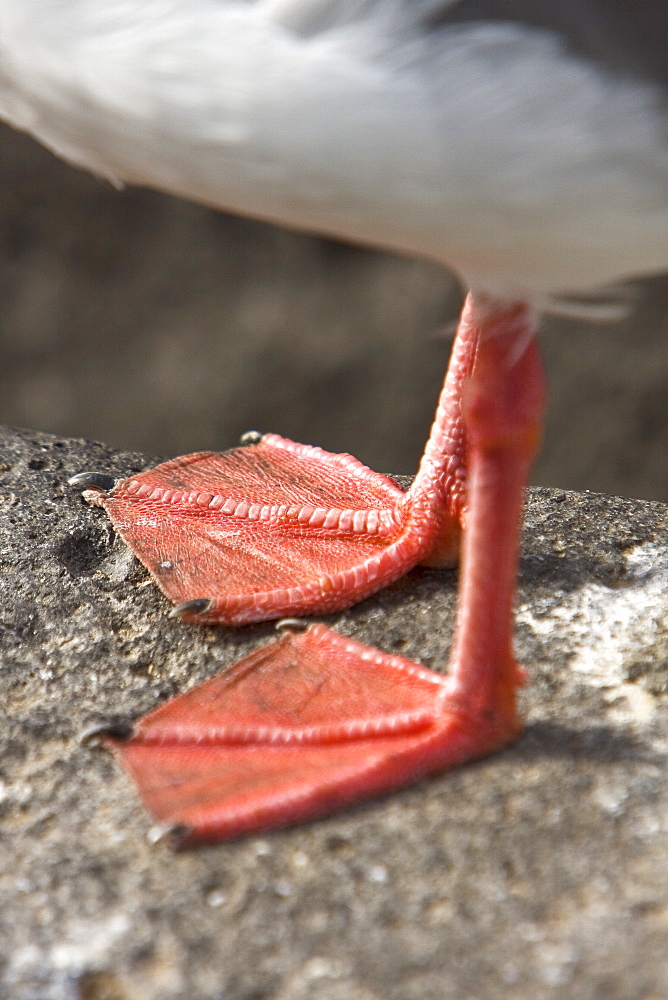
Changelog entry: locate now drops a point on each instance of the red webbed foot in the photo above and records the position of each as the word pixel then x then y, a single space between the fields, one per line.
pixel 267 529
pixel 276 528
pixel 301 727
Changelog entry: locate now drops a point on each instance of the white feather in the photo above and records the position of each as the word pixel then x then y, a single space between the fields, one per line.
pixel 487 148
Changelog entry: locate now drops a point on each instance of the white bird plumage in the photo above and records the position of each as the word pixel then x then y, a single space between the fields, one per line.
pixel 487 147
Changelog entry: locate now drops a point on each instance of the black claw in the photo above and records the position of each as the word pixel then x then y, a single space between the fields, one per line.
pixel 101 481
pixel 172 834
pixel 250 437
pixel 291 625
pixel 94 734
pixel 199 606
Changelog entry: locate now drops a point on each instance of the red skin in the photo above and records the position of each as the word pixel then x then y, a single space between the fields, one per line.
pixel 298 729
pixel 331 533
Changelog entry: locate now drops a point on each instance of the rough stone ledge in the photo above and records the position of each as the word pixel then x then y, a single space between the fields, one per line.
pixel 541 872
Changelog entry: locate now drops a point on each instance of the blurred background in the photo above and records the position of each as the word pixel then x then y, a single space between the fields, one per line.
pixel 159 326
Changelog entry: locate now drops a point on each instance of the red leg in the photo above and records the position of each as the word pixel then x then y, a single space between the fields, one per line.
pixel 277 528
pixel 503 407
pixel 313 722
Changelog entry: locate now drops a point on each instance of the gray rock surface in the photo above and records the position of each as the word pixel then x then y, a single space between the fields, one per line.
pixel 541 872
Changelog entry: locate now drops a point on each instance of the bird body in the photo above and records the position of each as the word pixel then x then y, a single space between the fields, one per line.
pixel 487 145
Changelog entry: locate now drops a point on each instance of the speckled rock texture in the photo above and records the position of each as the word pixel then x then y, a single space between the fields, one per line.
pixel 541 872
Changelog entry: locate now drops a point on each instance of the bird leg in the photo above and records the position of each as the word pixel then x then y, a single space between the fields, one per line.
pixel 277 528
pixel 313 721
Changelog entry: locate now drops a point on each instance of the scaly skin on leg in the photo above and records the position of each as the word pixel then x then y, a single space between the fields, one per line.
pixel 439 488
pixel 314 722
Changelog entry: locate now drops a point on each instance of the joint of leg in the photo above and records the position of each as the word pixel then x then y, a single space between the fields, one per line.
pixel 496 422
